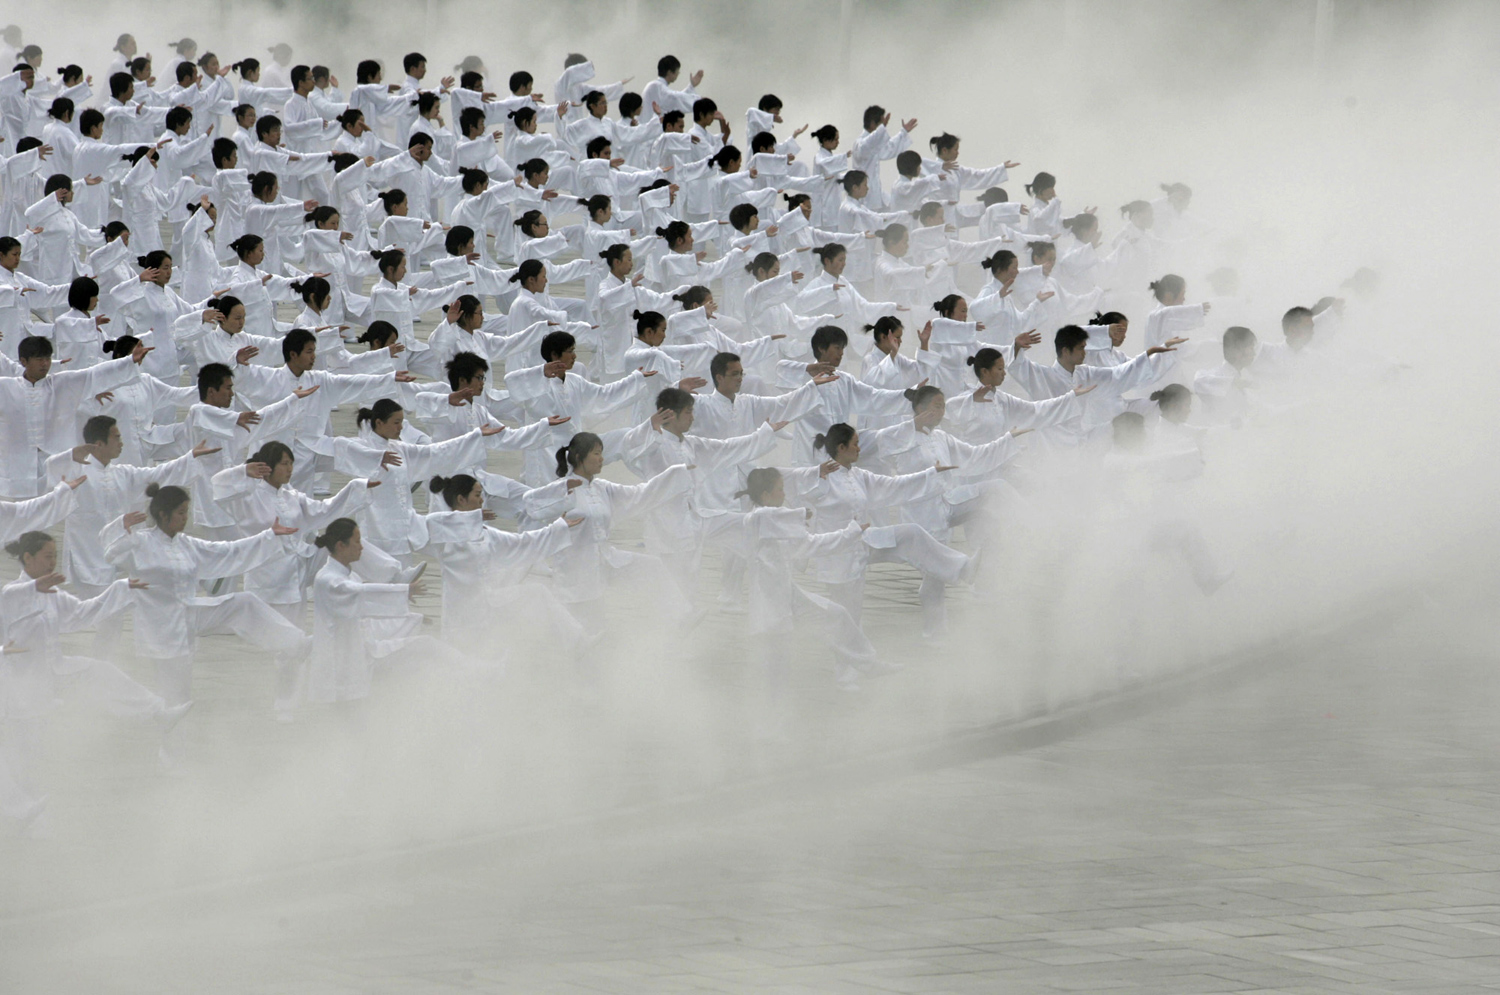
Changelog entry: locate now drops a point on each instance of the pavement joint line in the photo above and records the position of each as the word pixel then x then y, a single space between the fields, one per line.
pixel 1384 608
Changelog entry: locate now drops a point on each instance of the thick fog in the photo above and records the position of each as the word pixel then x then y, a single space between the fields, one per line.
pixel 1312 152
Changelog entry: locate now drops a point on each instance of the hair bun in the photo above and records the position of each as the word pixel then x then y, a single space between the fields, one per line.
pixel 819 440
pixel 152 489
pixel 969 361
pixel 436 484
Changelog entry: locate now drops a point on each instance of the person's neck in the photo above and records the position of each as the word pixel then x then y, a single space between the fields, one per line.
pixel 586 477
pixel 101 459
pixel 38 378
pixel 346 560
pixel 1065 364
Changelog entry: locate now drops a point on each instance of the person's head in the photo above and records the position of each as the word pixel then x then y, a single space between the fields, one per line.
pixel 278 456
pixel 764 487
pixel 536 172
pixel 631 105
pixel 419 146
pixel 728 373
pixel 1071 343
pixel 341 540
pixel 324 217
pixel 840 442
pixel 599 147
pixel 301 80
pixel 762 141
pixel 531 275
pixel 393 201
pixel 728 159
pixel 927 406
pixel 322 76
pixel 1043 254
pixel 103 433
pixel 140 68
pixel 61 110
pixel 574 59
pixel 61 185
pixel 678 236
pixel 953 306
pixel 856 183
pixel 668 67
pixel 379 335
pixel 650 327
pixel 895 239
pixel 596 103
pixel 37 553
pixel 524 118
pixel 931 214
pixel 704 110
pixel 216 385
pixel 520 83
pixel 72 74
pixel 1179 195
pixel 1118 324
pixel 470 74
pixel 1139 213
pixel 249 69
pixel 353 121
pixel 415 64
pixel 299 349
pixel 1129 430
pixel 392 265
pixel 185 48
pixel 799 202
pixel 619 259
pixel 989 367
pixel 909 164
pixel 833 258
pixel 121 86
pixel 315 291
pixel 168 508
pixel 467 369
pixel 770 104
pixel 873 117
pixel 1003 265
pixel 125 45
pixel 225 153
pixel 179 120
pixel 116 229
pixel 459 492
pixel 583 455
pixel 91 122
pixel 83 294
pixel 676 407
pixel 827 136
pixel 1084 227
pixel 944 146
pixel 475 181
pixel 674 122
pixel 459 241
pixel 533 224
pixel 10 252
pixel 159 260
pixel 1175 402
pixel 186 73
pixel 471 124
pixel 385 417
pixel 121 347
pixel 1240 345
pixel 695 297
pixel 764 266
pixel 1169 290
pixel 1043 187
pixel 828 343
pixel 251 249
pixel 559 347
pixel 1297 326
pixel 35 354
pixel 265 187
pixel 428 105
pixel 886 333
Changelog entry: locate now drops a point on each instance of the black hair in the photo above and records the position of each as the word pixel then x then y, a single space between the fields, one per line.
pixel 153 259
pixel 918 396
pixel 554 344
pixel 534 167
pixel 529 270
pixel 1168 286
pixel 943 141
pixel 830 251
pixel 597 204
pixel 838 435
pixel 320 214
pixel 631 104
pixel 762 263
pixel 227 303
pixel 246 244
pixel 211 376
pixel 271 453
pixel 674 232
pixel 874 114
pixel 412 60
pixel 520 78
pixel 465 366
pixel 673 399
pixel 668 64
pixel 762 141
pixel 1108 318
pixel 704 107
pixel 343 160
pixel 884 326
pixel 1135 207
pixel 1238 337
pixel 984 359
pixel 121 85
pixel 452 488
pixel 82 292
pixel 945 306
pixel 96 429
pixel 694 296
pixel 826 336
pixel 390 198
pixel 119 348
pixel 614 253
pixel 999 262
pixel 246 65
pixel 769 103
pixel 909 163
pixel 1293 316
pixel 891 234
pixel 61 109
pixel 719 365
pixel 265 125
pixel 1069 337
pixel 379 334
pixel 576 451
pixel 57 181
pixel 1080 223
pixel 1042 181
pixel 672 117
pixel 993 196
pixel 725 156
pixel 574 59
pixel 338 532
pixel 471 119
pixel 296 341
pixel 473 179
pixel 418 138
pixel 529 222
pixel 458 236
pixel 34 347
pixel 390 260
pixel 223 150
pixel 165 499
pixel 299 74
pixel 28 544
pixel 758 482
pixel 262 183
pixel 827 133
pixel 854 178
pixel 647 320
pixel 1172 395
pixel 382 410
pixel 312 289
pixel 114 230
pixel 1040 249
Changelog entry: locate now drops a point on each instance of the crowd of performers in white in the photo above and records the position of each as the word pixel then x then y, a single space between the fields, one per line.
pixel 779 352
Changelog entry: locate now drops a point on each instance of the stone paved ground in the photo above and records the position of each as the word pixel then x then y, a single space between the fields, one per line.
pixel 1328 824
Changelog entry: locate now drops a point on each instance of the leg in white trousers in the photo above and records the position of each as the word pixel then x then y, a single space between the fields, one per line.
pixel 291 668
pixel 940 565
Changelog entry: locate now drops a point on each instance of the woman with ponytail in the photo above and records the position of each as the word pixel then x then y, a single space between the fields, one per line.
pixel 585 568
pixel 169 613
pixel 620 299
pixel 162 320
pixel 357 622
pixel 893 371
pixel 486 590
pixel 34 615
pixel 146 408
